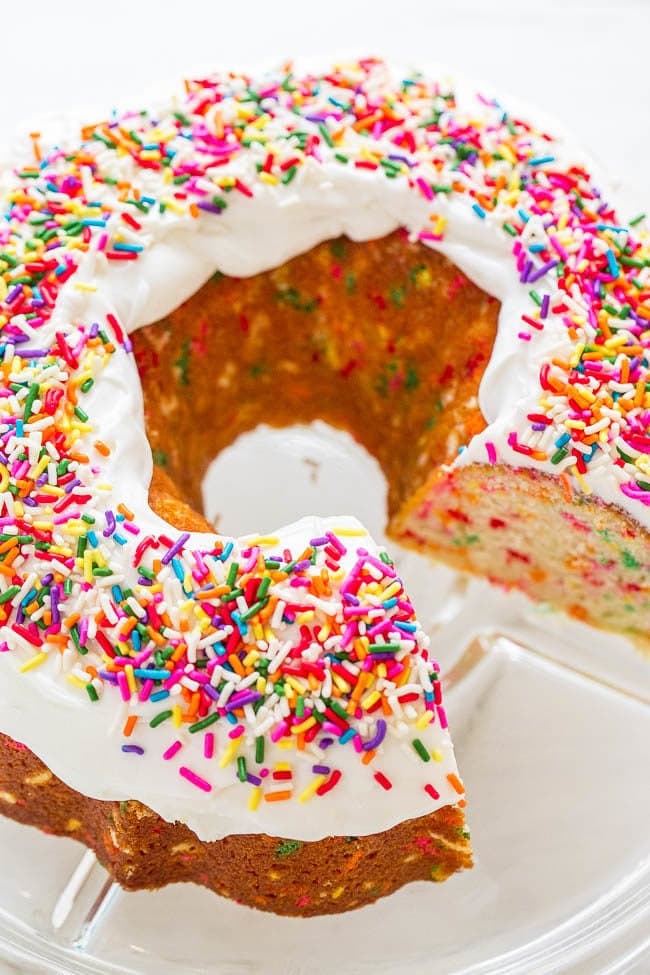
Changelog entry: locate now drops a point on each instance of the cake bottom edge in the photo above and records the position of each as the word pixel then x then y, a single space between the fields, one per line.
pixel 140 850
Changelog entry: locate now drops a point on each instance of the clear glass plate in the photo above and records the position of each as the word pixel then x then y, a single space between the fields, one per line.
pixel 552 730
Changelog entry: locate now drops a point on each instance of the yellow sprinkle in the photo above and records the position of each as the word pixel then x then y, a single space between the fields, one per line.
pixel 256 795
pixel 305 617
pixel 341 684
pixel 315 784
pixel 282 767
pixel 424 719
pixel 349 532
pixel 83 286
pixel 4 478
pixel 33 662
pixel 260 686
pixel 286 744
pixel 88 565
pixel 298 685
pixel 268 178
pixel 370 699
pixel 436 754
pixel 76 681
pixel 130 679
pixel 298 729
pixel 229 753
pixel 337 893
pixel 38 468
pixel 177 714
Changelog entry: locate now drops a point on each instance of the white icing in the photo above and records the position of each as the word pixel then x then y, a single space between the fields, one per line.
pixel 81 742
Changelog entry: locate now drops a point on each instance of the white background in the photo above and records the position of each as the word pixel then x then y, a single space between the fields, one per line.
pixel 585 61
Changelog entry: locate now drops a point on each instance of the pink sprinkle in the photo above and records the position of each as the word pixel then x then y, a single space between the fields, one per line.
pixel 236 732
pixel 123 685
pixel 431 791
pixel 279 730
pixel 195 779
pixel 491 452
pixel 208 744
pixel 424 188
pixel 525 336
pixel 173 749
pixel 442 716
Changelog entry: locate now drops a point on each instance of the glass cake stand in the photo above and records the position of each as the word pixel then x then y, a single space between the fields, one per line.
pixel 552 730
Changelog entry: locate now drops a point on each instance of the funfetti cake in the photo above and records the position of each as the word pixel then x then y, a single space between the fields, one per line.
pixel 393 254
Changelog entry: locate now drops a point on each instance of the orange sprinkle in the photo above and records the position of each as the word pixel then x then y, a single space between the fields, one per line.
pixel 129 725
pixel 278 796
pixel 455 783
pixel 123 510
pixel 368 756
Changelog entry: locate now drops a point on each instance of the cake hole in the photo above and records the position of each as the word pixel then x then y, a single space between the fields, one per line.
pixel 270 477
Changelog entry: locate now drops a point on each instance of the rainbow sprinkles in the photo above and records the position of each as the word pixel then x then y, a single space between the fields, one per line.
pixel 279 668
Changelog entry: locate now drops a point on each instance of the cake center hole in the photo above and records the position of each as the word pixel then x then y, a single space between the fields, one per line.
pixel 271 477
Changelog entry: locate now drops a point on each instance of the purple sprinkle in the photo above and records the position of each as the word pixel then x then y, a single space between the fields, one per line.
pixel 209 207
pixel 379 736
pixel 321 769
pixel 175 549
pixel 110 524
pixel 541 271
pixel 133 749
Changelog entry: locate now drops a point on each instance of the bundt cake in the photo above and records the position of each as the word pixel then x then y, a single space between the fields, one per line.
pixel 393 254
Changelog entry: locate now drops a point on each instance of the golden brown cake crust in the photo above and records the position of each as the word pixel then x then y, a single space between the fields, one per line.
pixel 141 850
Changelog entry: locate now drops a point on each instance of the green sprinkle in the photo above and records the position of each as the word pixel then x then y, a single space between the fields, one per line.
pixel 629 561
pixel 324 131
pixel 241 768
pixel 29 400
pixel 92 693
pixel 203 723
pixel 9 594
pixel 159 718
pixel 421 750
pixel 287 849
pixel 232 574
pixel 259 750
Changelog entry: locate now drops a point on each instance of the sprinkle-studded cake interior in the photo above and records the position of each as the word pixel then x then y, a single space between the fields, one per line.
pixel 386 339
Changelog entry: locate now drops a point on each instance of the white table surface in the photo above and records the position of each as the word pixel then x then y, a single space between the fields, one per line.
pixel 585 61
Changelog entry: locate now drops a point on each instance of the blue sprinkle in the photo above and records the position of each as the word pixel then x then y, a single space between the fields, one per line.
pixel 129 248
pixel 120 539
pixel 562 440
pixel 159 695
pixel 92 538
pixel 541 160
pixel 152 674
pixel 227 549
pixel 612 263
pixel 478 210
pixel 347 735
